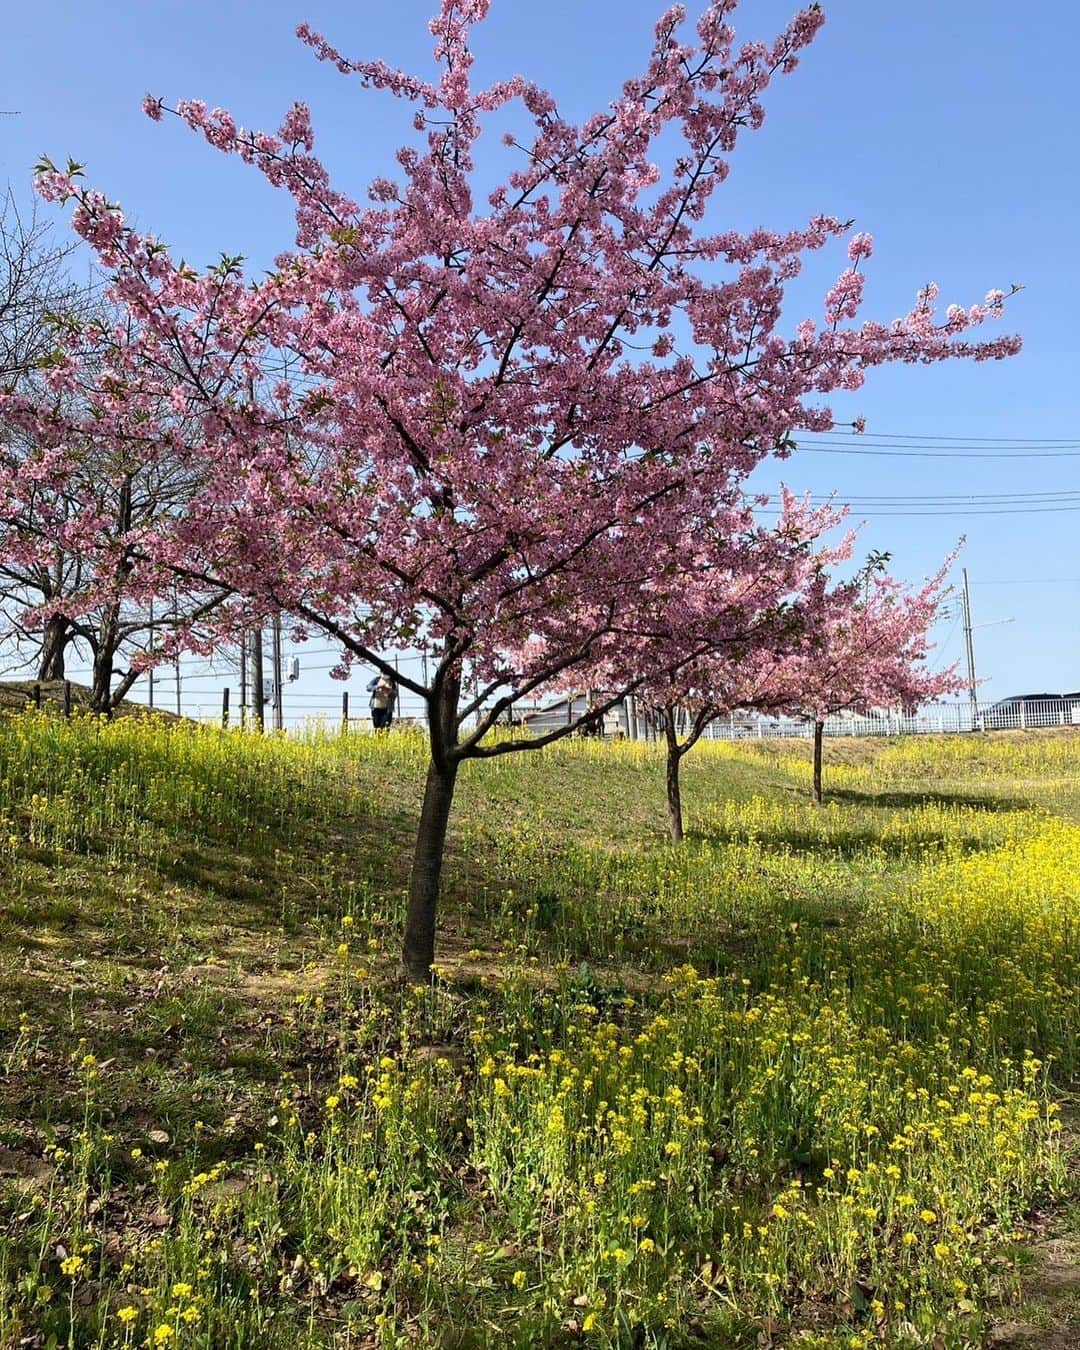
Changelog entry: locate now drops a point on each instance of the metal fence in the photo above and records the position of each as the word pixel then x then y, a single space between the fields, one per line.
pixel 1016 714
pixel 942 719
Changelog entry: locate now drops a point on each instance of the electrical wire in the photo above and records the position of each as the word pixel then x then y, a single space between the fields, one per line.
pixel 938 454
pixel 906 445
pixel 950 511
pixel 943 646
pixel 937 436
pixel 947 499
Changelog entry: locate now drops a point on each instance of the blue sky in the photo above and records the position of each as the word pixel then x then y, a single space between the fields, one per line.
pixel 946 130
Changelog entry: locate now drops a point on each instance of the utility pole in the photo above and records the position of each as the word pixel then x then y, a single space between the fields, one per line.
pixel 150 672
pixel 257 677
pixel 972 694
pixel 176 659
pixel 279 706
pixel 243 679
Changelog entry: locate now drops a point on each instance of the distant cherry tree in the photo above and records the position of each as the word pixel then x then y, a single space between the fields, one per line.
pixel 868 651
pixel 742 590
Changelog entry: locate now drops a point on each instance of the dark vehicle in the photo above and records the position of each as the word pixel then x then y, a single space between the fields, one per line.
pixel 1032 710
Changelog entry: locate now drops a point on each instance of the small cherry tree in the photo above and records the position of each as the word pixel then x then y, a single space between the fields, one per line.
pixel 474 421
pixel 868 651
pixel 771 601
pixel 741 589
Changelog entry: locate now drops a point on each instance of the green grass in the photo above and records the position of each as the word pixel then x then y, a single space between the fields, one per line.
pixel 660 1097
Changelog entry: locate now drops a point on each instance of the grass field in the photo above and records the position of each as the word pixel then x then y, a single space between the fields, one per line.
pixel 796 1082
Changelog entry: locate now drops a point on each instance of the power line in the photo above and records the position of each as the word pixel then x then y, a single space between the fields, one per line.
pixel 938 436
pixel 939 446
pixel 1052 497
pixel 947 511
pixel 943 646
pixel 938 454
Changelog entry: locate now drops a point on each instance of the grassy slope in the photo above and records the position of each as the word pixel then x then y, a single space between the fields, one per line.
pixel 171 903
pixel 16 695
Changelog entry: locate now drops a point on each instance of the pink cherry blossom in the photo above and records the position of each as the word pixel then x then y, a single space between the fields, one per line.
pixel 478 427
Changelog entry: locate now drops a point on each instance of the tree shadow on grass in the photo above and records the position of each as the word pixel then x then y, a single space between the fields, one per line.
pixel 91 902
pixel 850 844
pixel 908 797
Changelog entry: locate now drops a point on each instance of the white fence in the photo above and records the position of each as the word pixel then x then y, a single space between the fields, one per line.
pixel 1020 714
pixel 1013 714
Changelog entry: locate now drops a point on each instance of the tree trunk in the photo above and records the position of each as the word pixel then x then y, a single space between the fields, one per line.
pixel 53 646
pixel 418 946
pixel 101 688
pixel 819 738
pixel 105 648
pixel 674 792
pixel 418 949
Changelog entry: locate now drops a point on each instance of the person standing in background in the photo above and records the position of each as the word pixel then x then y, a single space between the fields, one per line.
pixel 383 692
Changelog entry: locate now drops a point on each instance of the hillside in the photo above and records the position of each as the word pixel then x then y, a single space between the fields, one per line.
pixel 17 695
pixel 794 1082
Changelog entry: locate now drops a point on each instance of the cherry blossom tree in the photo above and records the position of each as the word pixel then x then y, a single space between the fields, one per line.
pixel 741 589
pixel 476 420
pixel 770 598
pixel 867 651
pixel 71 570
pixel 54 529
pixel 36 284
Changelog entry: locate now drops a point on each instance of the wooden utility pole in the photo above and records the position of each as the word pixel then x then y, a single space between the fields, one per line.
pixel 243 680
pixel 176 663
pixel 279 706
pixel 257 678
